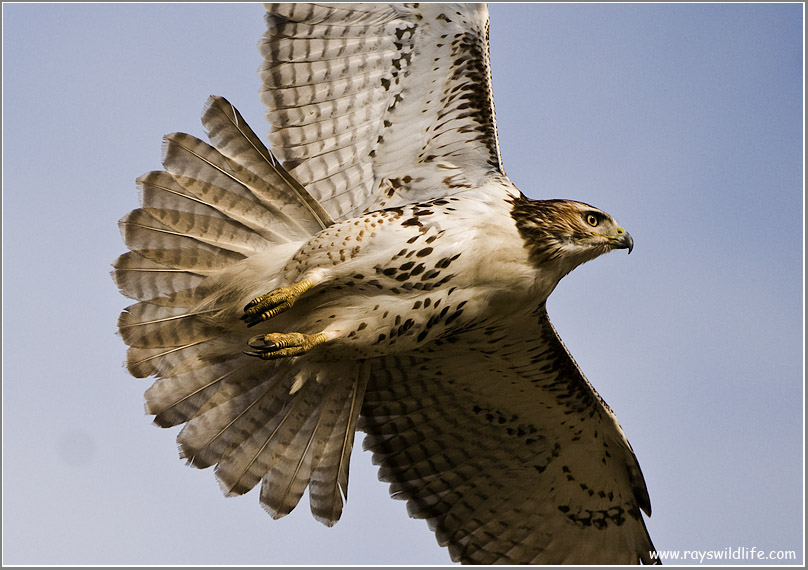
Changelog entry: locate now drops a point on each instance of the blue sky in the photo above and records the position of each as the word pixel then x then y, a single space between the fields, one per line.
pixel 684 121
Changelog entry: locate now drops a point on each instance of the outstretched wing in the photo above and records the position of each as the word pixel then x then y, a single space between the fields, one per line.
pixel 498 440
pixel 376 105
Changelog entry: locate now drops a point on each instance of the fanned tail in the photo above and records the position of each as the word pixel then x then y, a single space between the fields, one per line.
pixel 225 124
pixel 217 226
pixel 329 482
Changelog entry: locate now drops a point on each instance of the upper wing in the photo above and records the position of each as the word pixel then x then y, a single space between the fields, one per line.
pixel 376 105
pixel 500 442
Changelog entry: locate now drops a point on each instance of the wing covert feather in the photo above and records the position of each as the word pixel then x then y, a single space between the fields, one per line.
pixel 540 472
pixel 377 105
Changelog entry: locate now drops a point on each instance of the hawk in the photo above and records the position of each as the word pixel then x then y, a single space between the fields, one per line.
pixel 377 270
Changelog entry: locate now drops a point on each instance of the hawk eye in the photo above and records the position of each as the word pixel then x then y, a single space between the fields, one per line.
pixel 592 220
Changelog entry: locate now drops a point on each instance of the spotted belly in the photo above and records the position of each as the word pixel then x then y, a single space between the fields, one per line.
pixel 398 279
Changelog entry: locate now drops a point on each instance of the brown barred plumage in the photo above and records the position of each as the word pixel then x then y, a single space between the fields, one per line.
pixel 387 276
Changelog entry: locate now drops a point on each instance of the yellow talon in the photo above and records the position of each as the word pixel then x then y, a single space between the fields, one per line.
pixel 275 302
pixel 278 345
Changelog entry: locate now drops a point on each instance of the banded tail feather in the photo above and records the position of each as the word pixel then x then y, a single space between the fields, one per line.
pixel 207 222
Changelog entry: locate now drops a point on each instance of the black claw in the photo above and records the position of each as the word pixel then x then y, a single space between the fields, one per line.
pixel 250 353
pixel 256 341
pixel 251 320
pixel 261 344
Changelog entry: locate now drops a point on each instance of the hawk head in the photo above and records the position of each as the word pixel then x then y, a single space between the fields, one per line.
pixel 564 233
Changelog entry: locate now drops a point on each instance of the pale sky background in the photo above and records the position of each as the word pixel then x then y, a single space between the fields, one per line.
pixel 684 121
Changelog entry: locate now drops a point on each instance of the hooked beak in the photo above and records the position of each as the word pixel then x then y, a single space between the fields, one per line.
pixel 623 241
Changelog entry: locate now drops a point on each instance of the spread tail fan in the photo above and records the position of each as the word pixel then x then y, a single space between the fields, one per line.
pixel 206 224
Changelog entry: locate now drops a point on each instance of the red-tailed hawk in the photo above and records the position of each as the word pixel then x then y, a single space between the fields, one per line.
pixel 382 274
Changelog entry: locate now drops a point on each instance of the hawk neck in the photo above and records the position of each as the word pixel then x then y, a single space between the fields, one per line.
pixel 539 223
